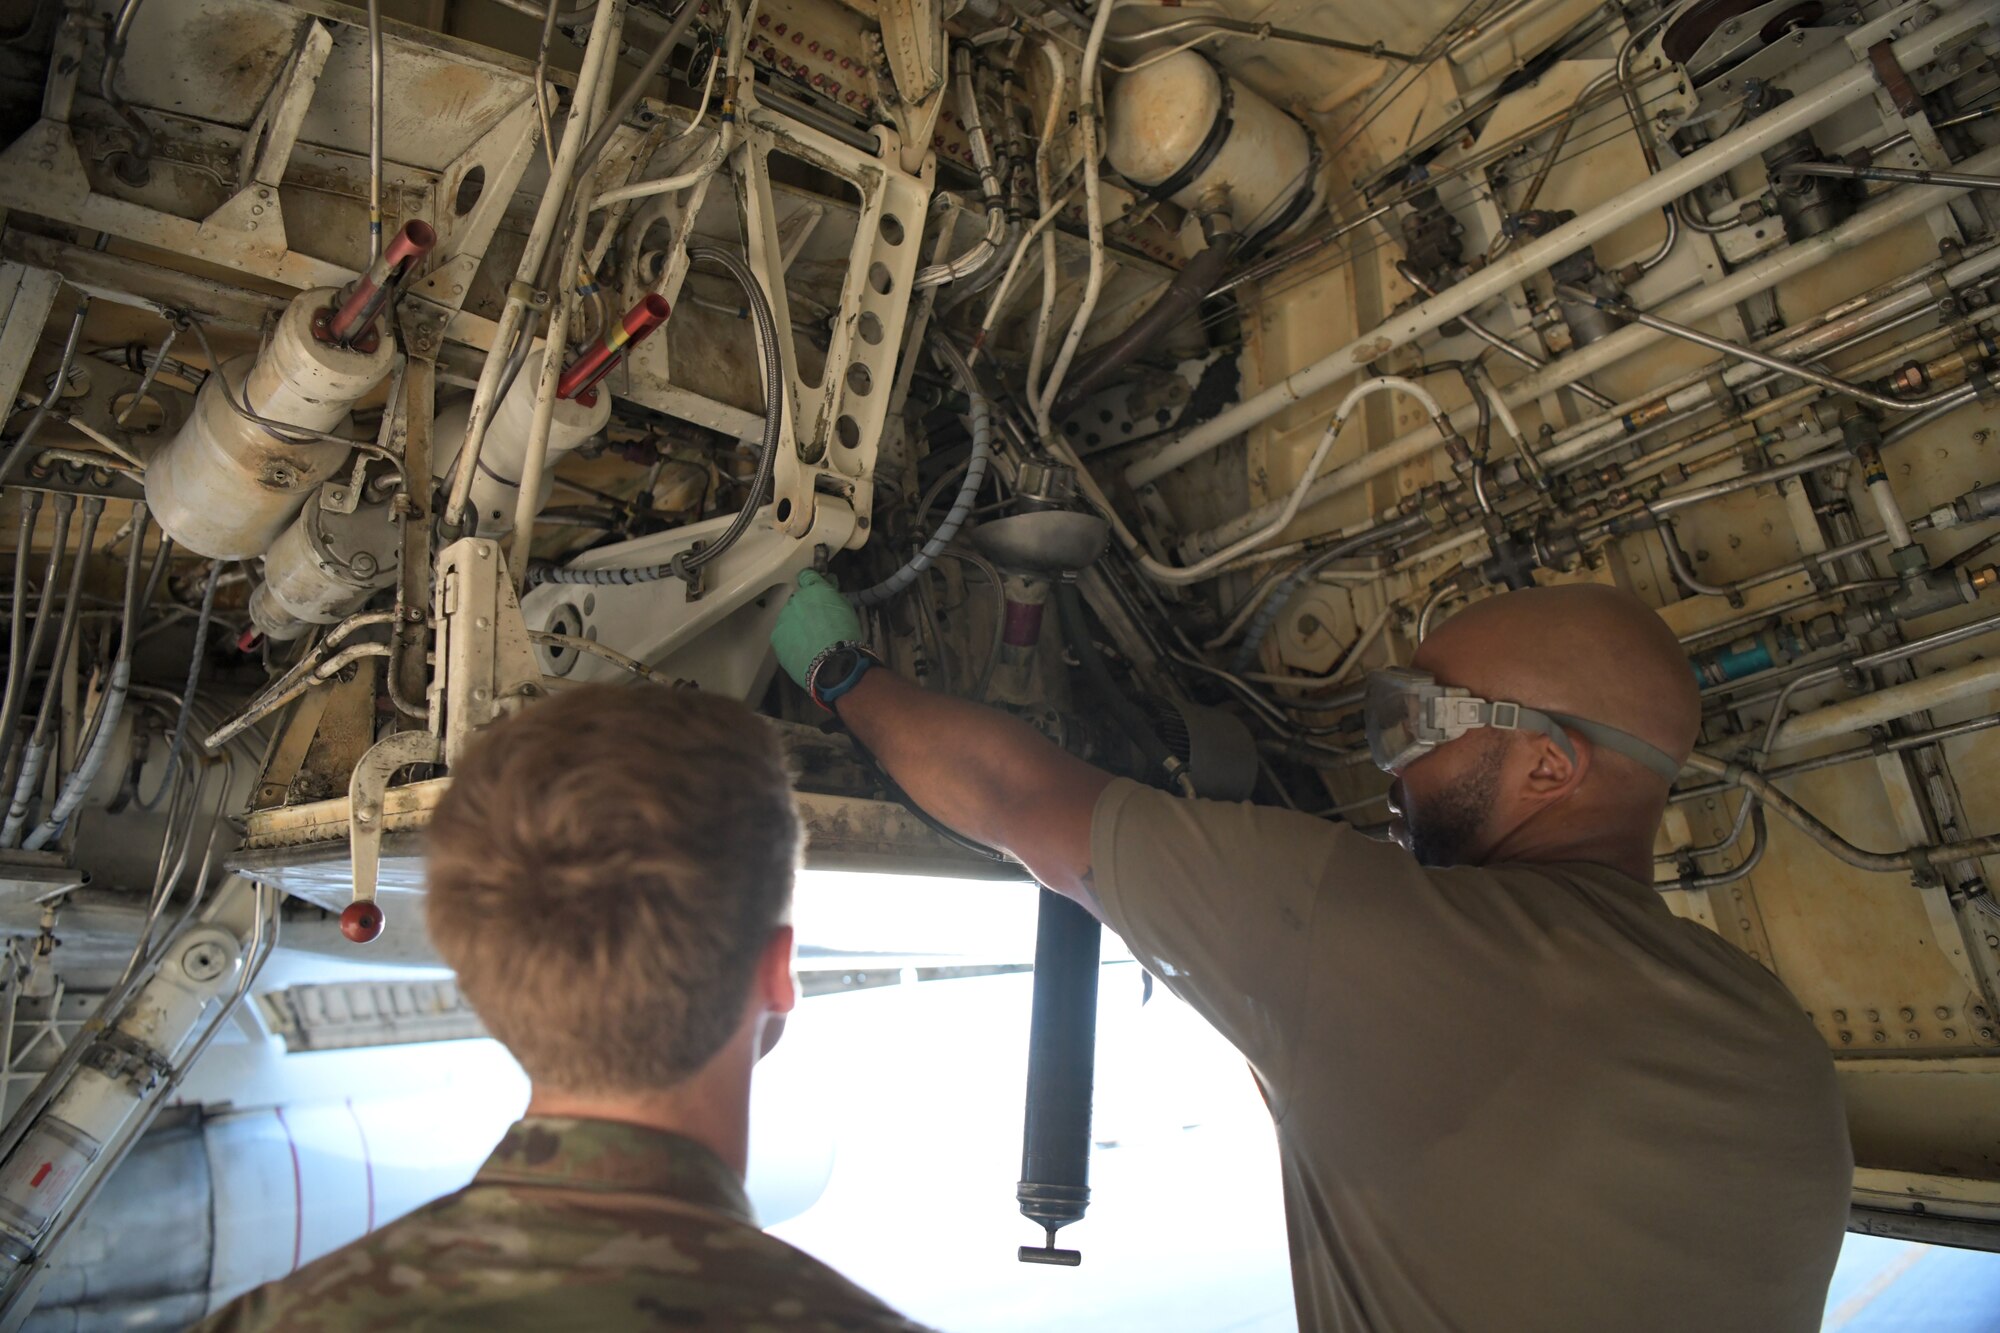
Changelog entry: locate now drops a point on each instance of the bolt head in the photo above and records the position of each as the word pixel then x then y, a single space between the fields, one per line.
pixel 205 961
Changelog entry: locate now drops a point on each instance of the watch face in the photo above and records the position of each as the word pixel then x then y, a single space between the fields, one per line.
pixel 839 664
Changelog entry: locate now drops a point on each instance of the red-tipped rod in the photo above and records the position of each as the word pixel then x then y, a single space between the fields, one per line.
pixel 357 313
pixel 596 360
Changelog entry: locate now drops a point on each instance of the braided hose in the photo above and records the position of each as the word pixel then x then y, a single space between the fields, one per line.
pixel 968 490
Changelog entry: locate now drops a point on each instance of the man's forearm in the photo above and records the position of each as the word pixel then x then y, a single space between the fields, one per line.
pixel 989 775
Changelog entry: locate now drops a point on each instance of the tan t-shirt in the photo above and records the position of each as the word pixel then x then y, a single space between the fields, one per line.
pixel 1508 1097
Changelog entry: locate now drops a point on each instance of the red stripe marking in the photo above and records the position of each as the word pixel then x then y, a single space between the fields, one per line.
pixel 298 1191
pixel 367 1161
pixel 41 1175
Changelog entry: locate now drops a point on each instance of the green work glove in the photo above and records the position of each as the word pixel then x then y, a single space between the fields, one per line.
pixel 816 618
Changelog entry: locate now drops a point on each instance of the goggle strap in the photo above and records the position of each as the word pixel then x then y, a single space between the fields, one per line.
pixel 1623 742
pixel 1507 716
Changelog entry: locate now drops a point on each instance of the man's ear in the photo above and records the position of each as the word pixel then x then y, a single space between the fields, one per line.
pixel 1555 774
pixel 777 989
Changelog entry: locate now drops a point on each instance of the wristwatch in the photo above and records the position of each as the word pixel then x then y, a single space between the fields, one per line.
pixel 837 670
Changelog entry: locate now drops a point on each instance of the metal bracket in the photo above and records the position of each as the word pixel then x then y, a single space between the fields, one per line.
pixel 1894 80
pixel 483 178
pixel 27 295
pixel 913 41
pixel 835 425
pixel 368 790
pixel 487 667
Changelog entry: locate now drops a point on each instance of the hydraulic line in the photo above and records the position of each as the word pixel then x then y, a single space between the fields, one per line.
pixel 1833 384
pixel 1872 750
pixel 1495 341
pixel 17 617
pixel 1266 32
pixel 1914 859
pixel 687 563
pixel 1044 192
pixel 110 707
pixel 375 130
pixel 981 413
pixel 987 248
pixel 152 372
pixel 1667 504
pixel 513 330
pixel 1905 294
pixel 628 97
pixel 1896 653
pixel 1826 98
pixel 1219 561
pixel 17 680
pixel 36 748
pixel 1895 175
pixel 1091 116
pixel 195 660
pixel 1274 605
pixel 1760 843
pixel 134 171
pixel 49 395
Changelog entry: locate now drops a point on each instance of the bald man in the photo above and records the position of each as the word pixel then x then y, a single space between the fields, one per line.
pixel 1512 1090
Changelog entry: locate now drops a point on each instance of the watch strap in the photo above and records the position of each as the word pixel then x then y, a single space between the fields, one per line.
pixel 826 693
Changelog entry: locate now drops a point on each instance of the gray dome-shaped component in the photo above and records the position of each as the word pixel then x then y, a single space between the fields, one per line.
pixel 1047 541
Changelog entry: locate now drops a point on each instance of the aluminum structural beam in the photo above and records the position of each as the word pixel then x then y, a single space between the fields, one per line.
pixel 1660 190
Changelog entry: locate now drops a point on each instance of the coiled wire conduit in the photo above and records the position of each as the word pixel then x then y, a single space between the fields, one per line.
pixel 961 505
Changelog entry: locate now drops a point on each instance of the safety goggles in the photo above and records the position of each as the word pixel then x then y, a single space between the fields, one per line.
pixel 1409 714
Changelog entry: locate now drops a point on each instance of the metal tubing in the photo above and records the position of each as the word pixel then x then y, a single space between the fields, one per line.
pixel 18 683
pixel 1855 84
pixel 987 248
pixel 152 373
pixel 35 751
pixel 1917 859
pixel 17 619
pixel 1831 383
pixel 1896 175
pixel 375 132
pixel 1894 745
pixel 49 395
pixel 107 88
pixel 1758 847
pixel 1896 653
pixel 1495 341
pixel 1267 32
pixel 1888 704
pixel 1897 208
pixel 597 58
pixel 1797 467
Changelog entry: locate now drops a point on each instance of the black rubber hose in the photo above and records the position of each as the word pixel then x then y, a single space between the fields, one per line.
pixel 1180 298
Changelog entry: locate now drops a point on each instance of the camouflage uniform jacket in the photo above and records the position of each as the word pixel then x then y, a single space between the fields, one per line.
pixel 572 1224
